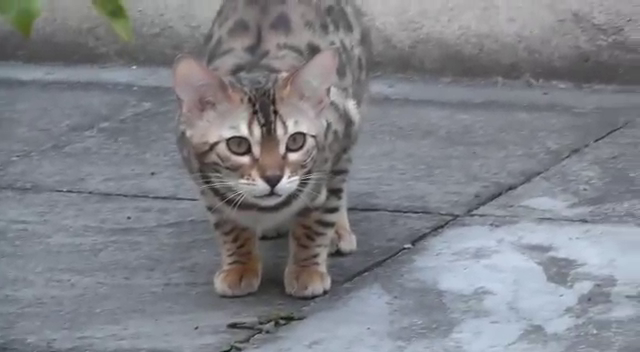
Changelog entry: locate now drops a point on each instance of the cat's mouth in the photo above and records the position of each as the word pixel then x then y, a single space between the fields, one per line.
pixel 270 195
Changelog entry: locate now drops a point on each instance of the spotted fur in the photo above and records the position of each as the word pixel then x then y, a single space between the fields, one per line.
pixel 267 123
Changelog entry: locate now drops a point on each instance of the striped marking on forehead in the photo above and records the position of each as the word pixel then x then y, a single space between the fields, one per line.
pixel 258 87
pixel 264 110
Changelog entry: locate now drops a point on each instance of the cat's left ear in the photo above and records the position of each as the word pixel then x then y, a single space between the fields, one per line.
pixel 198 88
pixel 312 81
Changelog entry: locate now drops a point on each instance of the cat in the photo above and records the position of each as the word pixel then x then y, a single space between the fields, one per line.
pixel 267 122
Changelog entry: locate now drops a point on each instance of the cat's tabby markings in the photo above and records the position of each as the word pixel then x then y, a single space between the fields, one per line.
pixel 266 128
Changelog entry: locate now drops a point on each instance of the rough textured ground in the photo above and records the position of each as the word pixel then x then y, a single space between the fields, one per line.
pixel 522 204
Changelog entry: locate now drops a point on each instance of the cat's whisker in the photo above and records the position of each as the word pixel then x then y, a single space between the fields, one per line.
pixel 234 194
pixel 209 175
pixel 217 184
pixel 237 203
pixel 303 196
pixel 313 193
pixel 304 199
pixel 209 186
pixel 319 173
pixel 312 177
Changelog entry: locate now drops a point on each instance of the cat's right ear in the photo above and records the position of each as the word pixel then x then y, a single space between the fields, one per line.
pixel 198 88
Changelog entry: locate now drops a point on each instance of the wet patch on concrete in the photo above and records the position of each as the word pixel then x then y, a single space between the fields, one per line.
pixel 557 270
pixel 552 286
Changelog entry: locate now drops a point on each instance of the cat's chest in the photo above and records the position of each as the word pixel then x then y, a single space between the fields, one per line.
pixel 266 219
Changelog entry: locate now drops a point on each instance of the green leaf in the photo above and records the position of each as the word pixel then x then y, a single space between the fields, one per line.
pixel 6 6
pixel 21 14
pixel 117 16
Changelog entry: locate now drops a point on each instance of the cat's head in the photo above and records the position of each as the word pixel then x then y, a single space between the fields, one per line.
pixel 260 141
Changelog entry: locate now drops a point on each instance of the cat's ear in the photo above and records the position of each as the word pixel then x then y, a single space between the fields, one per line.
pixel 311 82
pixel 198 88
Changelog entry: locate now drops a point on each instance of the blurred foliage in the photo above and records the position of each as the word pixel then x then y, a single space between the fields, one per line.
pixel 21 15
pixel 117 16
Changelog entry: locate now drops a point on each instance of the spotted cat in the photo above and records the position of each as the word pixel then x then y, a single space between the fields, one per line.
pixel 267 123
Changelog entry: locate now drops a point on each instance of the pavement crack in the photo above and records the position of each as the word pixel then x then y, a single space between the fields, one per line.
pixel 193 199
pixel 374 265
pixel 538 218
pixel 400 211
pixel 95 193
pixel 535 175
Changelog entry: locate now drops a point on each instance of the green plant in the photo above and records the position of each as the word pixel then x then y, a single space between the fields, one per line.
pixel 21 14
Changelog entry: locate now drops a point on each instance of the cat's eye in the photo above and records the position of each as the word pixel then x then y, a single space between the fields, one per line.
pixel 296 142
pixel 239 146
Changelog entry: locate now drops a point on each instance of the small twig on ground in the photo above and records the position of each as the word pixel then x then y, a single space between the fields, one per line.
pixel 265 324
pixel 262 325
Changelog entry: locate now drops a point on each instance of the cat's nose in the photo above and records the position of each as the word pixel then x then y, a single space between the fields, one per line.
pixel 272 180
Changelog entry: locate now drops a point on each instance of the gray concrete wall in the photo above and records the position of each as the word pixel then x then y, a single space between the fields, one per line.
pixel 580 40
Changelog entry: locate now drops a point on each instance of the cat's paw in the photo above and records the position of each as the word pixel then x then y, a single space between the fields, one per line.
pixel 306 282
pixel 238 281
pixel 343 241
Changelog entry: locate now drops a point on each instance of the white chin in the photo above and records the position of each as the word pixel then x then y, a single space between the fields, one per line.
pixel 271 200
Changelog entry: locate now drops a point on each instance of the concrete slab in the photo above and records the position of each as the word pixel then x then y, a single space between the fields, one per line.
pixel 451 158
pixel 98 273
pixel 131 154
pixel 600 184
pixel 489 285
pixel 413 156
pixel 95 271
pixel 36 117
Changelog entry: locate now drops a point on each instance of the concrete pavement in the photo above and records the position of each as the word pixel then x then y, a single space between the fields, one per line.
pixel 488 284
pixel 522 204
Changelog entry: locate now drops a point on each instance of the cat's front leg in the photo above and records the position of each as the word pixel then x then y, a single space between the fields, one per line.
pixel 343 240
pixel 310 240
pixel 306 275
pixel 241 269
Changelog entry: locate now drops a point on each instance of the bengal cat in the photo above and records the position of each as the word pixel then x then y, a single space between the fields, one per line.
pixel 266 127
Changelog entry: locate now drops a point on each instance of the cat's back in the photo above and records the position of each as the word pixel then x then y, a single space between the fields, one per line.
pixel 279 35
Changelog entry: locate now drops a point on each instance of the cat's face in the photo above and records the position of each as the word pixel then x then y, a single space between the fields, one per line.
pixel 264 159
pixel 260 145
